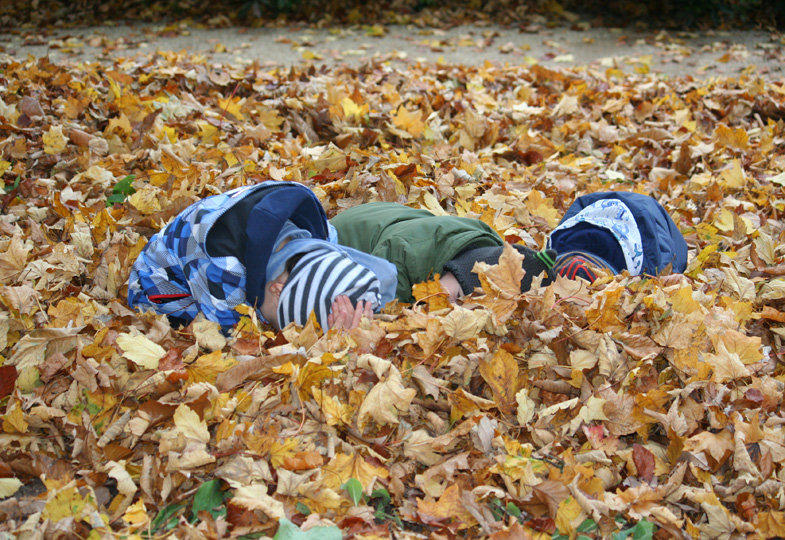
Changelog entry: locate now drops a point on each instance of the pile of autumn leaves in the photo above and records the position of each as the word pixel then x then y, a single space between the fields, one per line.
pixel 574 407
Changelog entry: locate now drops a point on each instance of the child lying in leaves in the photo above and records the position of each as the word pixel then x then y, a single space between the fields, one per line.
pixel 268 246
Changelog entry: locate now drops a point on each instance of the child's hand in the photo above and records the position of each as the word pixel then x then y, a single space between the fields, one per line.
pixel 344 315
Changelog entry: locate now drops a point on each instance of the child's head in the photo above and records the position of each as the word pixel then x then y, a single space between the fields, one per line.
pixel 310 283
pixel 459 280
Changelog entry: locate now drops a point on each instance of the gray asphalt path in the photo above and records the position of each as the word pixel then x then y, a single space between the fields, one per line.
pixel 701 55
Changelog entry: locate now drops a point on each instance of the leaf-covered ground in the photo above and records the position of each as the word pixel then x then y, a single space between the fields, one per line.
pixel 637 405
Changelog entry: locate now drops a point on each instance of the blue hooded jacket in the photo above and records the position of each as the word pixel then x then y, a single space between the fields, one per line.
pixel 174 274
pixel 628 231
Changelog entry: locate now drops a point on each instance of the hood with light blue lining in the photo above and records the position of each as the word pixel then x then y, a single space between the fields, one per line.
pixel 630 231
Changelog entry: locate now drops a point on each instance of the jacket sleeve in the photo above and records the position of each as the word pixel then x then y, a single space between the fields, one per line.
pixel 157 283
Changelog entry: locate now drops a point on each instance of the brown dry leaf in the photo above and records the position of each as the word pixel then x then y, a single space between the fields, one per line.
pixel 500 372
pixel 502 279
pixel 386 401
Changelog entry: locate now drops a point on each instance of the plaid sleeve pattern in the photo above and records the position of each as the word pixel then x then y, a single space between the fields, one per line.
pixel 175 276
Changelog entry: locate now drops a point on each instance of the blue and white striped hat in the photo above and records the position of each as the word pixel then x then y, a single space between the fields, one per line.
pixel 319 277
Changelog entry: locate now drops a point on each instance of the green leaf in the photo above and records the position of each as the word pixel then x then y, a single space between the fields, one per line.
pixel 587 526
pixel 11 187
pixel 514 511
pixel 355 490
pixel 302 508
pixel 289 531
pixel 115 198
pixel 124 186
pixel 209 497
pixel 643 530
pixel 166 519
pixel 121 190
pixel 382 494
pixel 93 408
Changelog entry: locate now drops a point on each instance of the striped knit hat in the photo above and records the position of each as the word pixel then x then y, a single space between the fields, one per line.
pixel 317 279
pixel 579 264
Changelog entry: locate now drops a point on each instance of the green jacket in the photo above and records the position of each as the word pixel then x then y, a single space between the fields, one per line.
pixel 417 242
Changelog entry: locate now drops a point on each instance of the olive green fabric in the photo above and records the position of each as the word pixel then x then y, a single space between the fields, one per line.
pixel 417 242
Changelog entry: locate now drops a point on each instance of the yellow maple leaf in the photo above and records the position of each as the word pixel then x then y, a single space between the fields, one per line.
pixel 726 366
pixel 54 140
pixel 500 373
pixel 120 125
pixel 542 206
pixel 603 314
pixel 335 412
pixel 231 105
pixel 311 375
pixel 724 220
pixel 279 451
pixel 683 301
pixel 136 515
pixel 310 55
pixel 66 503
pixel 208 133
pixel 189 425
pixel 462 323
pixel 14 421
pixel 386 400
pixel 343 466
pixel 449 506
pixel 432 293
pixel 208 366
pixel 748 348
pixel 733 176
pixel 462 403
pixel 332 159
pixel 208 334
pixel 568 516
pixel 410 122
pixel 502 279
pixel 352 109
pixel 771 523
pixel 146 200
pixel 735 138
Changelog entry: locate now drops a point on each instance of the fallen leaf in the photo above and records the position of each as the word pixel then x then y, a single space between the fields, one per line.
pixel 140 350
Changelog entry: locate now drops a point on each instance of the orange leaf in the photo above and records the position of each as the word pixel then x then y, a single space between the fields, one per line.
pixel 411 122
pixel 449 506
pixel 302 461
pixel 501 373
pixel 432 293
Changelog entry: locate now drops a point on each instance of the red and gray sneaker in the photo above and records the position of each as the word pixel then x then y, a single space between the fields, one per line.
pixel 579 264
